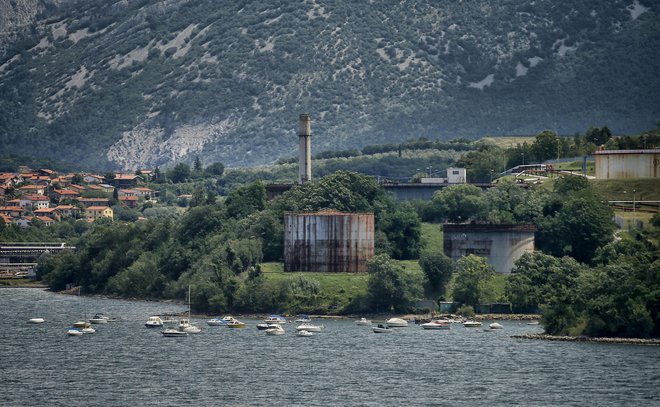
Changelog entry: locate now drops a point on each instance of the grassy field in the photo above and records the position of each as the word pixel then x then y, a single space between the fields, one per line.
pixel 341 289
pixel 507 142
pixel 639 189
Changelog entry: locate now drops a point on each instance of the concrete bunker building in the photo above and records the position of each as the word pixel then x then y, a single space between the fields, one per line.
pixel 501 245
pixel 328 241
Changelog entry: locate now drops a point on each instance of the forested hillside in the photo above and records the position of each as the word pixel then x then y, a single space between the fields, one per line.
pixel 143 83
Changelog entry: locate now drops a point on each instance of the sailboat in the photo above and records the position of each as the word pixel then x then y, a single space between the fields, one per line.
pixel 83 325
pixel 185 325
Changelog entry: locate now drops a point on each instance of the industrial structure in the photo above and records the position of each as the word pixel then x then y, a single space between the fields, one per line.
pixel 305 148
pixel 626 164
pixel 328 241
pixel 501 245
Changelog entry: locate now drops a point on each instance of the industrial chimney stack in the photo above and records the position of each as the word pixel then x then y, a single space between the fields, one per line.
pixel 305 149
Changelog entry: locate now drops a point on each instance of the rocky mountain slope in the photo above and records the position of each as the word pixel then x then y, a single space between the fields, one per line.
pixel 131 84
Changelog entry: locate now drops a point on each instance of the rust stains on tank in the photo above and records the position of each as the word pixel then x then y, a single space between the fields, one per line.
pixel 328 241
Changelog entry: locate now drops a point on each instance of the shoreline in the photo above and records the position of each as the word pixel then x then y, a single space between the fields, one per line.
pixel 588 339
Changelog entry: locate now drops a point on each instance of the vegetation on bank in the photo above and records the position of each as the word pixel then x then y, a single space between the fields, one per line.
pixel 585 277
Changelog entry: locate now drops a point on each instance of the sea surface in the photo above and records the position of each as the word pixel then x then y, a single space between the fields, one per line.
pixel 127 364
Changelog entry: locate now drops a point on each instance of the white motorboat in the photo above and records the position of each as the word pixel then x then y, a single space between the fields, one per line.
pixel 472 324
pixel 363 322
pixel 277 330
pixel 99 320
pixel 495 325
pixel 264 326
pixel 303 319
pixel 397 323
pixel 216 322
pixel 436 324
pixel 36 320
pixel 275 319
pixel 154 322
pixel 74 332
pixel 82 324
pixel 309 328
pixel 304 333
pixel 381 329
pixel 186 326
pixel 533 323
pixel 88 330
pixel 172 332
pixel 236 324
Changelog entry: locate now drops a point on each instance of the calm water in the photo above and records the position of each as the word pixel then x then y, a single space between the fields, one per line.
pixel 125 363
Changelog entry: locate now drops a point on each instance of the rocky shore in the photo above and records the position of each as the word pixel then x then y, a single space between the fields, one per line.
pixel 630 341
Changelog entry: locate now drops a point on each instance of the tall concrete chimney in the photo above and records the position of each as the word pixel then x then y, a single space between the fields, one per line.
pixel 305 149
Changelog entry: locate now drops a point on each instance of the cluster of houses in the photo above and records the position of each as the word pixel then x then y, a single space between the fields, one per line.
pixel 48 196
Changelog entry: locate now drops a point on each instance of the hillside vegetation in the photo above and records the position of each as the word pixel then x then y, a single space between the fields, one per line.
pixel 134 84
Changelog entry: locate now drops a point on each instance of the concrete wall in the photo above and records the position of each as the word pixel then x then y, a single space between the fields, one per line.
pixel 501 245
pixel 626 164
pixel 328 241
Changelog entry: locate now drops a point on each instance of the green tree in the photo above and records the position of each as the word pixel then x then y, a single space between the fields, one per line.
pixel 246 200
pixel 547 145
pixel 180 173
pixel 215 170
pixel 473 282
pixel 576 225
pixel 459 203
pixel 438 269
pixel 402 227
pixel 389 287
pixel 483 163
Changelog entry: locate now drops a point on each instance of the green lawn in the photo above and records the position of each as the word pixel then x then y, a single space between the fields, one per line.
pixel 431 239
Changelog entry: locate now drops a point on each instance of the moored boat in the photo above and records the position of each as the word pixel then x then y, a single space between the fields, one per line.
pixel 309 328
pixel 363 322
pixel 217 321
pixel 303 319
pixel 36 320
pixel 236 324
pixel 472 324
pixel 381 329
pixel 74 332
pixel 436 324
pixel 276 330
pixel 275 319
pixel 154 322
pixel 173 332
pixel 304 333
pixel 397 323
pixel 495 325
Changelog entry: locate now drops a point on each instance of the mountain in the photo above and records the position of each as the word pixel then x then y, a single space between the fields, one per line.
pixel 131 84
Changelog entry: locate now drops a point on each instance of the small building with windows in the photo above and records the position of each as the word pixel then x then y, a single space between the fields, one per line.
pixel 93 213
pixel 501 245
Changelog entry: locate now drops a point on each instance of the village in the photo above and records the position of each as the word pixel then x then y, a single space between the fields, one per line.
pixel 29 197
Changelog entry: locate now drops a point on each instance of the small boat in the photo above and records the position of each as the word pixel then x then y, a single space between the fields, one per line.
pixel 154 322
pixel 74 332
pixel 436 324
pixel 303 319
pixel 309 328
pixel 275 319
pixel 173 332
pixel 381 329
pixel 495 325
pixel 472 324
pixel 397 323
pixel 88 330
pixel 98 320
pixel 217 321
pixel 533 323
pixel 36 320
pixel 304 333
pixel 236 324
pixel 263 327
pixel 363 322
pixel 186 326
pixel 277 330
pixel 82 324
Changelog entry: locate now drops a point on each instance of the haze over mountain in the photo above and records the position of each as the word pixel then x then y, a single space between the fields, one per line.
pixel 132 84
